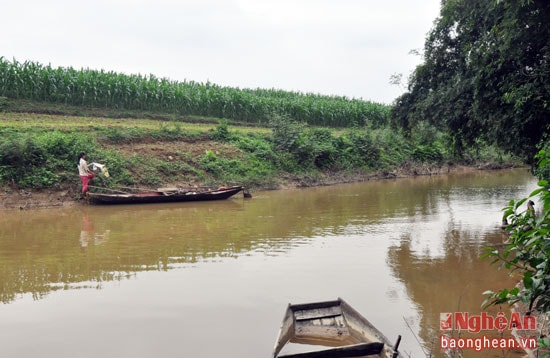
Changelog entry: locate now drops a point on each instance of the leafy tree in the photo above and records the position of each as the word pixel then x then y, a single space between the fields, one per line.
pixel 485 75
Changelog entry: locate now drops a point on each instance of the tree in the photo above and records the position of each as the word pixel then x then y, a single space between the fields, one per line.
pixel 485 75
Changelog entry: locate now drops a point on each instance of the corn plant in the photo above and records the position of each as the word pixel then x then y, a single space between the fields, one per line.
pixel 107 89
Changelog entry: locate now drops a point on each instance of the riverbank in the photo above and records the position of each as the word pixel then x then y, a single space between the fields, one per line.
pixel 25 199
pixel 41 149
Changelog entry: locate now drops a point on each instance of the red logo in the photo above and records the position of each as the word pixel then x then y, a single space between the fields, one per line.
pixel 463 321
pixel 446 321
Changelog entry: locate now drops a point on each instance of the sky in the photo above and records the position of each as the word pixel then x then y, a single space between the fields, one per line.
pixel 331 47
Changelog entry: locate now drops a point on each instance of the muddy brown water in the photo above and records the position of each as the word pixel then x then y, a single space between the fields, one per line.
pixel 214 279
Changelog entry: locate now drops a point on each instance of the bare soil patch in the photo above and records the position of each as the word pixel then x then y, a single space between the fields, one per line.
pixel 177 150
pixel 37 199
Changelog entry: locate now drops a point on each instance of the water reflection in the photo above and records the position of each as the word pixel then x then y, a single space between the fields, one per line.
pixel 454 282
pixel 88 234
pixel 386 246
pixel 37 248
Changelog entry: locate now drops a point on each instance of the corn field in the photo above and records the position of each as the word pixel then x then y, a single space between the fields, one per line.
pixel 93 88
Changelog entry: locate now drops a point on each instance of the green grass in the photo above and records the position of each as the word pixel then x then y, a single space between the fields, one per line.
pixel 23 121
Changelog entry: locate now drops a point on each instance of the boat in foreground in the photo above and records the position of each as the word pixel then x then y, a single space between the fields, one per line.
pixel 330 329
pixel 166 196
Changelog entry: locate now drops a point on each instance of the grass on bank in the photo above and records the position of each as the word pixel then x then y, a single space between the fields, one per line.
pixel 40 151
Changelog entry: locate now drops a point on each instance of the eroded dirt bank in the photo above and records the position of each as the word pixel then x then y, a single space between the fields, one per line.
pixel 12 198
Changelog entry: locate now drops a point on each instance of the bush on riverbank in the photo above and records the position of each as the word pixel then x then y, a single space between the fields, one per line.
pixel 309 136
pixel 528 253
pixel 173 153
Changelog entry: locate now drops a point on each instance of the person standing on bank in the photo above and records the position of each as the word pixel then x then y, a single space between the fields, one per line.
pixel 84 172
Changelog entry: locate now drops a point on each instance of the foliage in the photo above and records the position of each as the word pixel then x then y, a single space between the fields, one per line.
pixel 256 145
pixel 221 133
pixel 92 88
pixel 358 150
pixel 213 163
pixel 165 132
pixel 317 147
pixel 300 146
pixel 542 170
pixel 16 154
pixel 485 76
pixel 528 250
pixel 286 132
pixel 427 153
pixel 172 131
pixel 43 159
pixel 3 103
pixel 31 156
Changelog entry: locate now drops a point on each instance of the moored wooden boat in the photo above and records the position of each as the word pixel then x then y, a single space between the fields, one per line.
pixel 165 196
pixel 330 329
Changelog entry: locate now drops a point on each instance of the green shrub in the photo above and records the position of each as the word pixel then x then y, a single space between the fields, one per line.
pixel 3 103
pixel 118 135
pixel 221 132
pixel 526 252
pixel 316 147
pixel 286 133
pixel 169 132
pixel 427 153
pixel 22 159
pixel 255 145
pixel 361 149
pixel 542 169
pixel 39 178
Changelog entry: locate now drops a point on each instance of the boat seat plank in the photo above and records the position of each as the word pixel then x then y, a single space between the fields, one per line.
pixel 337 321
pixel 356 350
pixel 318 313
pixel 167 189
pixel 333 330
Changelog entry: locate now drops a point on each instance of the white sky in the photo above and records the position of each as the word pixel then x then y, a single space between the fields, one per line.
pixel 332 47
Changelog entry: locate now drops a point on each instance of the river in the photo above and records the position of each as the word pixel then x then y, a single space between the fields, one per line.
pixel 213 279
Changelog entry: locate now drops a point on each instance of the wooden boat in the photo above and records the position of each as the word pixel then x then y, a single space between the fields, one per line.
pixel 166 195
pixel 330 329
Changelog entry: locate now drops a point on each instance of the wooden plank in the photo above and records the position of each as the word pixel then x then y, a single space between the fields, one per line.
pixel 286 331
pixel 308 306
pixel 167 189
pixel 332 330
pixel 356 350
pixel 317 313
pixel 337 321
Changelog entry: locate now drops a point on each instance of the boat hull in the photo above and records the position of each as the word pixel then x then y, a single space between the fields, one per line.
pixel 329 329
pixel 163 196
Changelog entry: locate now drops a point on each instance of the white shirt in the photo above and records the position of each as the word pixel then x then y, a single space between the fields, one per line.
pixel 82 167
